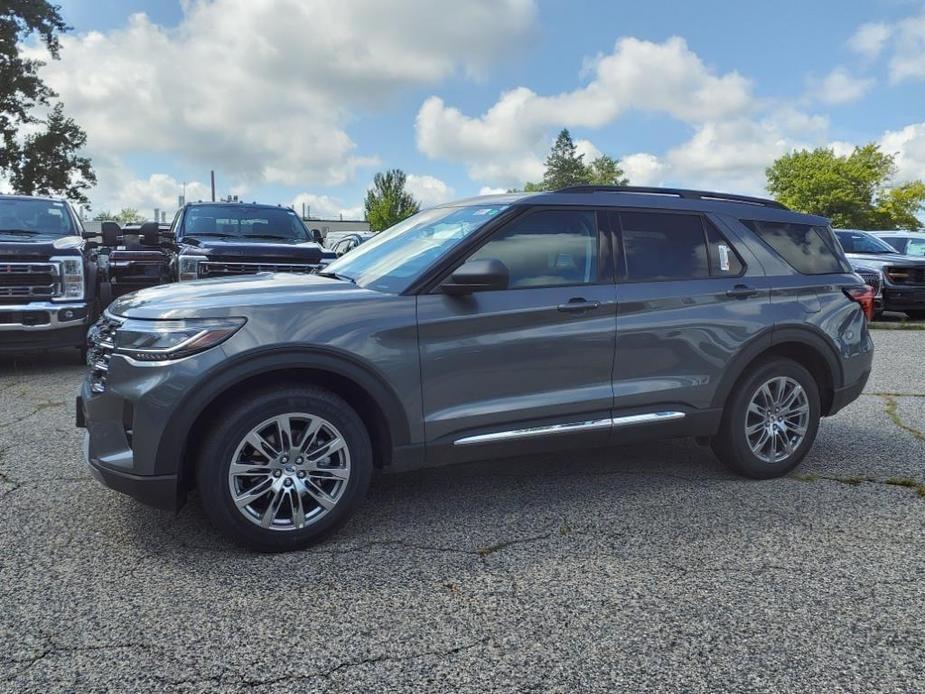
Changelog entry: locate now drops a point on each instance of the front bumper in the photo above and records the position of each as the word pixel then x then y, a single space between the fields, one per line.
pixel 159 491
pixel 126 424
pixel 43 325
pixel 896 299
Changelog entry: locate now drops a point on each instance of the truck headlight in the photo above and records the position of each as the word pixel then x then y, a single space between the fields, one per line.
pixel 159 340
pixel 188 267
pixel 72 277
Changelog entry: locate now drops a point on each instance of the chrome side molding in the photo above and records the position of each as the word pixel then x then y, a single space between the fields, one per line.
pixel 570 428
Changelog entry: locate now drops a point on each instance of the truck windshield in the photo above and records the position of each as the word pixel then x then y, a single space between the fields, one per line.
pixel 25 217
pixel 859 242
pixel 244 221
pixel 392 259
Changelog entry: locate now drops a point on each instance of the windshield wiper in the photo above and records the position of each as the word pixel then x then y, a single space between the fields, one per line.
pixel 266 236
pixel 20 232
pixel 210 233
pixel 336 276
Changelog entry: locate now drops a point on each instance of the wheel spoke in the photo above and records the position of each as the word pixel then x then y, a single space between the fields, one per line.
pixel 295 501
pixel 326 451
pixel 249 469
pixel 269 515
pixel 319 495
pixel 755 428
pixel 285 433
pixel 249 496
pixel 311 433
pixel 261 445
pixel 329 473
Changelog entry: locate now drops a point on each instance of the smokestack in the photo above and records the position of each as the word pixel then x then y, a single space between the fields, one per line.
pixel 212 173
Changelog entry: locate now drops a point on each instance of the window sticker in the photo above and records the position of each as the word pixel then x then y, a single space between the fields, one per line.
pixel 723 257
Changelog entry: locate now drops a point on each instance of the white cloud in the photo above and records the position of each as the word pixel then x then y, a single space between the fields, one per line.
pixel 428 191
pixel 488 190
pixel 644 169
pixel 262 90
pixel 908 145
pixel 869 39
pixel 506 144
pixel 325 207
pixel 908 60
pixel 840 87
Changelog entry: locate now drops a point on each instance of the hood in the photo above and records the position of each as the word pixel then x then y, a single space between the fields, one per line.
pixel 243 250
pixel 238 296
pixel 38 247
pixel 878 260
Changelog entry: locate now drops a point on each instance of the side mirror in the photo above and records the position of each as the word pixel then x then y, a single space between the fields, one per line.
pixel 477 276
pixel 317 237
pixel 110 231
pixel 150 234
pixel 88 234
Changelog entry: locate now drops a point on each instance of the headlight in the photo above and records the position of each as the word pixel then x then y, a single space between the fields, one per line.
pixel 159 340
pixel 72 277
pixel 189 267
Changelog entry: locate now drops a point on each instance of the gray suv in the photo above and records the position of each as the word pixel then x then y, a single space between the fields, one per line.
pixel 494 326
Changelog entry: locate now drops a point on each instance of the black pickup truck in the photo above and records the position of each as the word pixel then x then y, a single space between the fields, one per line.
pixel 219 239
pixel 48 275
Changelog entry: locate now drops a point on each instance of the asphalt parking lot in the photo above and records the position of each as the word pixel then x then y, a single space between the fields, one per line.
pixel 628 569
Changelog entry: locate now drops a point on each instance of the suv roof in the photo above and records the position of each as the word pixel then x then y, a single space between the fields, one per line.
pixel 239 203
pixel 742 206
pixel 5 196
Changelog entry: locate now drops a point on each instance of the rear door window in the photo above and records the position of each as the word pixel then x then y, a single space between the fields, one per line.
pixel 662 246
pixel 807 249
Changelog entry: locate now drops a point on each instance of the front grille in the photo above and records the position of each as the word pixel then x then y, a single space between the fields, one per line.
pixel 222 269
pixel 100 345
pixel 28 281
pixel 871 278
pixel 907 276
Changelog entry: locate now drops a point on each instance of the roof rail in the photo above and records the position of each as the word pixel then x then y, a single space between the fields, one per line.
pixel 675 192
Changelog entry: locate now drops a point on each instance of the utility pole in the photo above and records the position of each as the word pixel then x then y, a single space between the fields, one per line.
pixel 212 172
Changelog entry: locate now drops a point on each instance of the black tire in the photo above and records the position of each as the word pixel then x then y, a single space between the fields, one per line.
pixel 915 315
pixel 233 426
pixel 731 443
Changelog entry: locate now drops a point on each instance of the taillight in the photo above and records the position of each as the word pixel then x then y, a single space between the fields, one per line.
pixel 864 296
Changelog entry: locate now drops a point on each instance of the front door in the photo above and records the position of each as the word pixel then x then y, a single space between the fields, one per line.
pixel 530 363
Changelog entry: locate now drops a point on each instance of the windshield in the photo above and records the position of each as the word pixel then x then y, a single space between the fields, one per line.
pixel 244 221
pixel 33 217
pixel 394 258
pixel 859 242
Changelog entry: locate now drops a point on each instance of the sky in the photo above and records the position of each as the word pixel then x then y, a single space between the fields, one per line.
pixel 303 101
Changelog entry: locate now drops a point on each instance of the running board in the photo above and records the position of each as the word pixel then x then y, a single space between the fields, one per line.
pixel 571 428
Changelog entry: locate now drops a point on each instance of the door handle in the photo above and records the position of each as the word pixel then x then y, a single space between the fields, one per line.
pixel 741 291
pixel 577 305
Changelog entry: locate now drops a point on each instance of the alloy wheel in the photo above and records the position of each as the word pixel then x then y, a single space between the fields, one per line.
pixel 777 419
pixel 289 471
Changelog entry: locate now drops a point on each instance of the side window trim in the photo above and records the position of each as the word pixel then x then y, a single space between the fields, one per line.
pixel 704 220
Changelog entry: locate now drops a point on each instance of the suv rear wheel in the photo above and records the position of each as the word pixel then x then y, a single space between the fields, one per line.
pixel 770 420
pixel 284 468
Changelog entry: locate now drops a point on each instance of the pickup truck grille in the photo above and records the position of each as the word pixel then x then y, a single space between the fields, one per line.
pixel 24 282
pixel 100 345
pixel 223 269
pixel 871 278
pixel 906 276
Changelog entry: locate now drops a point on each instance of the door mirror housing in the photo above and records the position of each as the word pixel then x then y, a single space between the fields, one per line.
pixel 110 231
pixel 477 276
pixel 150 234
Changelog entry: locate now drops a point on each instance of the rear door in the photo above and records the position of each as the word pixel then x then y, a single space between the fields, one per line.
pixel 688 299
pixel 513 365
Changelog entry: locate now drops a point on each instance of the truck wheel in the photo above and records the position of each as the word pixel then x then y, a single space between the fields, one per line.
pixel 770 420
pixel 284 468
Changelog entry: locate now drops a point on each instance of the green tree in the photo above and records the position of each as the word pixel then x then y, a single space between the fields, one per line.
pixel 387 202
pixel 127 215
pixel 564 165
pixel 853 190
pixel 606 171
pixel 53 141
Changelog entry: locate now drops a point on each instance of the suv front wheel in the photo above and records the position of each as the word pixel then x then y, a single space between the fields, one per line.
pixel 770 420
pixel 284 468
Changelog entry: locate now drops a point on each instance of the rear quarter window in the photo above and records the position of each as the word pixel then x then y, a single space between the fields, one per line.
pixel 809 250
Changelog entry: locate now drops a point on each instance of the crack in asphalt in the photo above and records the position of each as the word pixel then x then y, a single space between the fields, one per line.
pixel 53 649
pixel 328 673
pixel 48 404
pixel 856 480
pixel 891 407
